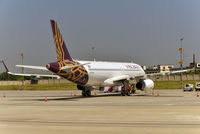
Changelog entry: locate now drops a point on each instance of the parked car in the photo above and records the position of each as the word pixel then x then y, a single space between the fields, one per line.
pixel 197 88
pixel 188 87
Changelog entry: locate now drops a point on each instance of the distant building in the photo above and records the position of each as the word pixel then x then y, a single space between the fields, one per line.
pixel 165 68
pixel 196 65
pixel 159 69
pixel 153 68
pixel 144 68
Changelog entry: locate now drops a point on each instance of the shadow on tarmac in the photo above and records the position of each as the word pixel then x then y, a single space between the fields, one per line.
pixel 67 97
pixel 74 98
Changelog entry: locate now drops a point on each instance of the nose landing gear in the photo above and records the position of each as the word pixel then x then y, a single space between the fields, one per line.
pixel 125 88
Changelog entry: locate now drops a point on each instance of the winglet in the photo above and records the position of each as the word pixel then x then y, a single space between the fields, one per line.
pixel 61 49
pixel 5 66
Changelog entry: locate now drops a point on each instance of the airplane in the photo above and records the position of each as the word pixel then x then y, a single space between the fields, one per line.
pixel 91 74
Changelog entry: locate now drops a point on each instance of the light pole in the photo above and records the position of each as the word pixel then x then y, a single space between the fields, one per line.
pixel 93 52
pixel 22 56
pixel 181 62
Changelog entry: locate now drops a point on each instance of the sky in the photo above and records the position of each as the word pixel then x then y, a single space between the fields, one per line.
pixel 146 32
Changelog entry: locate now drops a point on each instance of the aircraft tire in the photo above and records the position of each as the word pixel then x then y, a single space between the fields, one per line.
pixel 123 93
pixel 88 92
pixel 84 94
pixel 133 91
pixel 128 93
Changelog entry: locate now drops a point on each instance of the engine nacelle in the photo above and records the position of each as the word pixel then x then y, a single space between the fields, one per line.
pixel 145 84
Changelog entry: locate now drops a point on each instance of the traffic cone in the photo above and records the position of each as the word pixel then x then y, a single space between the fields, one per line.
pixel 132 94
pixel 4 95
pixel 153 93
pixel 74 93
pixel 158 93
pixel 45 99
pixel 198 94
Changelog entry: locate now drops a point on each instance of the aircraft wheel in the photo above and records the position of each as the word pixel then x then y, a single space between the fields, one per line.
pixel 133 91
pixel 125 88
pixel 84 93
pixel 88 92
pixel 123 93
pixel 128 93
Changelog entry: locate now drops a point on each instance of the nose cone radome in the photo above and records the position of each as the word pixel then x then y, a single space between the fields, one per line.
pixel 54 67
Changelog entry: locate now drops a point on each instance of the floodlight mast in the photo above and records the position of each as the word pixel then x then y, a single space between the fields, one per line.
pixel 22 58
pixel 181 62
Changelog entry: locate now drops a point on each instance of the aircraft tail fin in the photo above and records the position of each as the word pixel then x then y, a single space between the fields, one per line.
pixel 61 49
pixel 5 66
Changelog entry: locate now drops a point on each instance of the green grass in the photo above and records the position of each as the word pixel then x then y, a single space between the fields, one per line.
pixel 67 86
pixel 41 87
pixel 172 84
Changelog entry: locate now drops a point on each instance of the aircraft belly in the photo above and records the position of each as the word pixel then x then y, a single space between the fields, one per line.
pixel 97 78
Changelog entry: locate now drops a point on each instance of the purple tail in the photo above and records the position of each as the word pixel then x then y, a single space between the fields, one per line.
pixel 61 49
pixel 5 66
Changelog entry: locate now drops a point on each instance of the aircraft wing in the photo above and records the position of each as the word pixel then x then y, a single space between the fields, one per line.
pixel 112 80
pixel 33 67
pixel 171 72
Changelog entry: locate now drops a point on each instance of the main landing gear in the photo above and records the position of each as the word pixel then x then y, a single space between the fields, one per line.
pixel 86 92
pixel 125 88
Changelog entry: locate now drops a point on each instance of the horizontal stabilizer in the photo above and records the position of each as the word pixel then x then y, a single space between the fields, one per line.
pixel 33 67
pixel 36 75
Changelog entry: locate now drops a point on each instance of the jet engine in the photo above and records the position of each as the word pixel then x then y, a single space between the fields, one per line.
pixel 145 84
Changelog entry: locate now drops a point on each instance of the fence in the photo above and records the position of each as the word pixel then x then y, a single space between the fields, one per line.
pixel 175 77
pixel 154 78
pixel 28 82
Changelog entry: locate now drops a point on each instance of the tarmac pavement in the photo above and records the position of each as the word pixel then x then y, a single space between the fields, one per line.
pixel 50 112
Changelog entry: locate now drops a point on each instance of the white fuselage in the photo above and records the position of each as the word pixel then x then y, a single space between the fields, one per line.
pixel 99 71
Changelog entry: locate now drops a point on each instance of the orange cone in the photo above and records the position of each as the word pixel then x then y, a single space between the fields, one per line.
pixel 74 93
pixel 197 94
pixel 45 99
pixel 158 93
pixel 4 95
pixel 153 93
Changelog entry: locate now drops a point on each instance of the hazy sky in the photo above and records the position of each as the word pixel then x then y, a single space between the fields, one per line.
pixel 147 32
